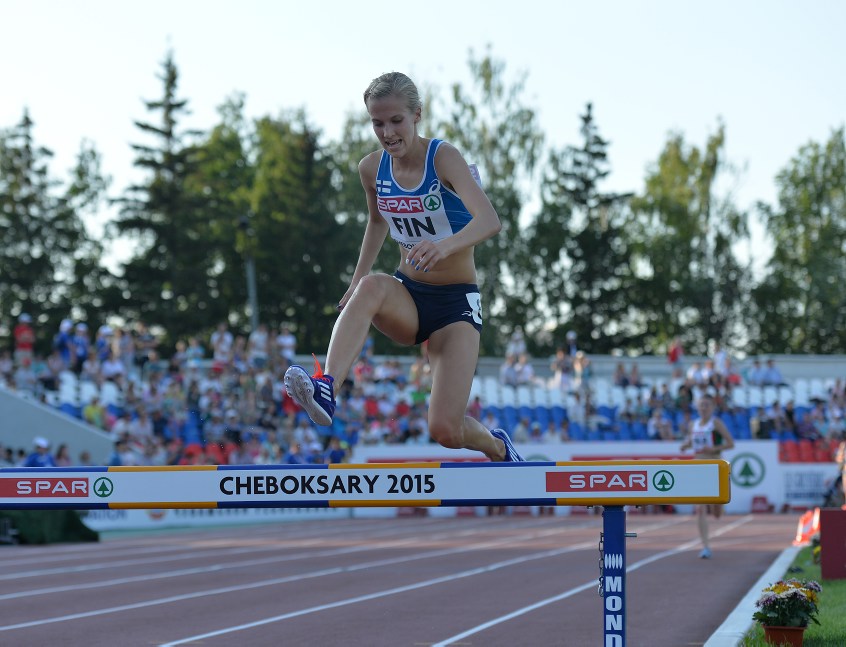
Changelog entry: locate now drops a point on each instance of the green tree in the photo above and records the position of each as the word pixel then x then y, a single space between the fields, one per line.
pixel 165 282
pixel 800 304
pixel 223 174
pixel 494 129
pixel 47 256
pixel 303 248
pixel 693 283
pixel 578 247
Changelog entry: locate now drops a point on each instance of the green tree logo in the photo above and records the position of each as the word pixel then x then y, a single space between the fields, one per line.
pixel 663 481
pixel 103 487
pixel 432 202
pixel 747 470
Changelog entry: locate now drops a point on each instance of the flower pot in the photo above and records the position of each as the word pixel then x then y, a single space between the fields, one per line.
pixel 793 636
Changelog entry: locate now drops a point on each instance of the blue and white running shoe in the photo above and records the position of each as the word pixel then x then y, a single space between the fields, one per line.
pixel 314 393
pixel 511 454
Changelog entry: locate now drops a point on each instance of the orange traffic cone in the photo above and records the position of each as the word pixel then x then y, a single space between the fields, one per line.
pixel 809 525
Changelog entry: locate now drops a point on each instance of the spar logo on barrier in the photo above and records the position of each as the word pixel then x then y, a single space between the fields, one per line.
pixel 43 487
pixel 598 481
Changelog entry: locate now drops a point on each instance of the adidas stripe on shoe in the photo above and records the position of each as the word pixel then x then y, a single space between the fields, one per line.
pixel 314 393
pixel 511 454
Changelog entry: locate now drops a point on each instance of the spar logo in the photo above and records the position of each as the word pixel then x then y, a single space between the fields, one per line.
pixel 62 487
pixel 411 204
pixel 598 481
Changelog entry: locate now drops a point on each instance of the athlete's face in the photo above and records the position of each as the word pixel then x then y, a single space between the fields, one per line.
pixel 394 124
pixel 705 407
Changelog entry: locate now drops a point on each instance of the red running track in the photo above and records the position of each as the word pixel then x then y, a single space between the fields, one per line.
pixel 504 580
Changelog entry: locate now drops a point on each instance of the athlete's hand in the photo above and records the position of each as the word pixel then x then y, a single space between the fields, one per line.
pixel 347 295
pixel 424 256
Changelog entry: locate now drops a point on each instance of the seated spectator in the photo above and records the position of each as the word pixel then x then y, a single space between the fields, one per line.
pixel 620 376
pixel 634 376
pixel 508 371
pixel 41 456
pixel 576 412
pixel 474 408
pixel 627 411
pixel 490 421
pixel 537 434
pixel 756 375
pixel 771 375
pixel 525 372
pixel 336 452
pixel 582 371
pixel 658 427
pixel 94 413
pixel 296 455
pixel 557 433
pixel 562 370
pixel 668 402
pixel 520 433
pixel 775 418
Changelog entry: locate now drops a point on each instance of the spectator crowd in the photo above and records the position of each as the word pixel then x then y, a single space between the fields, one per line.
pixel 221 400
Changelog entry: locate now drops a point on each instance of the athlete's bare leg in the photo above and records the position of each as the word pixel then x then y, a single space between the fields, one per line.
pixel 702 519
pixel 453 353
pixel 379 299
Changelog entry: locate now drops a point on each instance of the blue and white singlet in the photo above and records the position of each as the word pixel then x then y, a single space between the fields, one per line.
pixel 429 211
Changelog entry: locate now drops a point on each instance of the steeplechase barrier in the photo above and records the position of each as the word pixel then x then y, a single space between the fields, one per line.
pixel 611 484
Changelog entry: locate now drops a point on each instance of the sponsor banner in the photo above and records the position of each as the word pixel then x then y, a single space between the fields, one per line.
pixel 755 469
pixel 104 520
pixel 407 484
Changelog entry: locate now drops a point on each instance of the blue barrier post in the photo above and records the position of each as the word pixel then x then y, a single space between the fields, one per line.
pixel 613 581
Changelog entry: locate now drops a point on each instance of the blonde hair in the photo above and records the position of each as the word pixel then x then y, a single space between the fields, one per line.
pixel 394 83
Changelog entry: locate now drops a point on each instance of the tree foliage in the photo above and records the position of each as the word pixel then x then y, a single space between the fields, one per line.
pixel 694 284
pixel 799 302
pixel 582 276
pixel 50 264
pixel 625 273
pixel 495 130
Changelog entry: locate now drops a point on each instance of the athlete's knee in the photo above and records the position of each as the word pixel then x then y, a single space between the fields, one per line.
pixel 371 287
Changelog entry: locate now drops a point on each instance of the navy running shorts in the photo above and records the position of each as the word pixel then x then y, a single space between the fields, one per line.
pixel 440 305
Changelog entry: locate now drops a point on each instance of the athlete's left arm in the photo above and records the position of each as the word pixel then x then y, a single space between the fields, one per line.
pixel 722 430
pixel 453 170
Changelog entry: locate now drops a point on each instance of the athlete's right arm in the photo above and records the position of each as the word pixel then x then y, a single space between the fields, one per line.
pixel 376 230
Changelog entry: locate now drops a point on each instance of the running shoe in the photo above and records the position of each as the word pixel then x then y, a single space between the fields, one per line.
pixel 511 454
pixel 314 393
pixel 705 554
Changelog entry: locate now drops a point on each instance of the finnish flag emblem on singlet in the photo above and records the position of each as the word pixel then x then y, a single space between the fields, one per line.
pixel 383 187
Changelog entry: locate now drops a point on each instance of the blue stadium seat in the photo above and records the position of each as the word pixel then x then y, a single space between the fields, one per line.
pixel 525 411
pixel 543 415
pixel 559 414
pixel 70 409
pixel 576 431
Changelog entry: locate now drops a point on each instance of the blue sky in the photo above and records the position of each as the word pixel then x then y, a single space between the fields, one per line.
pixel 772 71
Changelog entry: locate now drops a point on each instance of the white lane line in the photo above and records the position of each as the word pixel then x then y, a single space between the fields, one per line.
pixel 371 546
pixel 192 554
pixel 587 585
pixel 411 587
pixel 291 578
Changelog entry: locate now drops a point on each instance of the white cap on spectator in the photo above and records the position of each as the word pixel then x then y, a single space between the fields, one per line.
pixel 82 326
pixel 66 325
pixel 40 441
pixel 105 330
